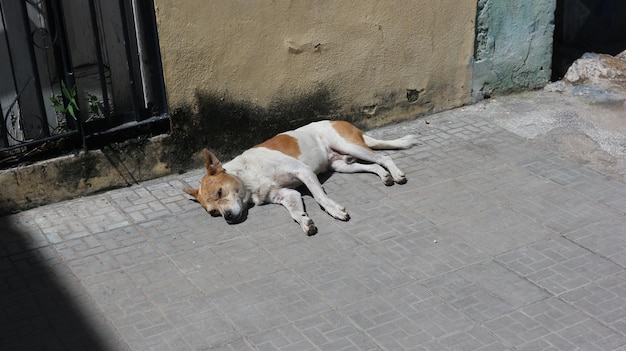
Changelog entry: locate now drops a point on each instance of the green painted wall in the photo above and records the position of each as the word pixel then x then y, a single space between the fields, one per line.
pixel 513 49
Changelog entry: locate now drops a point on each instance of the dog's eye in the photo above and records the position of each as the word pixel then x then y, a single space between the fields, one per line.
pixel 219 193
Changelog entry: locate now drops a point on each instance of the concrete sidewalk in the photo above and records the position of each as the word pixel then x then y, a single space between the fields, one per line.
pixel 501 240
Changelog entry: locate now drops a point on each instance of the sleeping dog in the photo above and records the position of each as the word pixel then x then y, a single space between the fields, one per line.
pixel 270 172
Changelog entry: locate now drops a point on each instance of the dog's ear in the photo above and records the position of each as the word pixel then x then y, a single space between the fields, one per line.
pixel 192 192
pixel 212 164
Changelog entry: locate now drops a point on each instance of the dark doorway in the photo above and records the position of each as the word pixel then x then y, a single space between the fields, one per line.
pixel 587 26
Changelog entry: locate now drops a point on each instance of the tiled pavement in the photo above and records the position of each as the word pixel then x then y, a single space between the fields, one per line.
pixel 494 244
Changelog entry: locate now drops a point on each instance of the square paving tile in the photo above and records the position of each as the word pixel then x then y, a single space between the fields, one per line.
pixel 428 253
pixel 558 265
pixel 351 275
pixel 268 302
pixel 553 324
pixel 606 238
pixel 605 300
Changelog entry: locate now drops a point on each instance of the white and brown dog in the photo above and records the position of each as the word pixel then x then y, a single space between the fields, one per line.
pixel 270 171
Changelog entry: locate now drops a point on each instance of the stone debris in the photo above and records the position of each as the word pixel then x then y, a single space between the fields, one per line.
pixel 597 69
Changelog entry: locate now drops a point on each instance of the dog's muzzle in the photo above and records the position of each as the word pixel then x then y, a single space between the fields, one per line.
pixel 231 217
pixel 235 215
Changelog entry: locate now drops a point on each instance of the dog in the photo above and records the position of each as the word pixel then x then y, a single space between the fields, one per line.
pixel 271 171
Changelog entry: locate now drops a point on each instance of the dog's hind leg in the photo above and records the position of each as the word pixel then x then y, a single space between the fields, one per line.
pixel 344 165
pixel 292 201
pixel 364 153
pixel 353 142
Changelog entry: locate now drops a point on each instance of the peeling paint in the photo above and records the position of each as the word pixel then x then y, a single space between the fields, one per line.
pixel 513 49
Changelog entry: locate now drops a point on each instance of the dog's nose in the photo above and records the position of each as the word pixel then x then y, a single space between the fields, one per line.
pixel 228 215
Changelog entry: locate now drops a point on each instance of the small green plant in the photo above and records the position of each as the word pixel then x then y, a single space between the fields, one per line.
pixel 94 104
pixel 70 96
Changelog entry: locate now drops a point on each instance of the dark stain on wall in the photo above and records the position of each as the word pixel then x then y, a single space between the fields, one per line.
pixel 228 126
pixel 84 167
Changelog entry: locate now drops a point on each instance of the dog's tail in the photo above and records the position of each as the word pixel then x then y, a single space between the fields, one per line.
pixel 401 143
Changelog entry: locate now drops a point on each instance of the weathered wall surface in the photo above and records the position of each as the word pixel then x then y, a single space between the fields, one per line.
pixel 83 174
pixel 378 60
pixel 513 46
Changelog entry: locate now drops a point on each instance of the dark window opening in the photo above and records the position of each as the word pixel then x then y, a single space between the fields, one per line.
pixel 587 26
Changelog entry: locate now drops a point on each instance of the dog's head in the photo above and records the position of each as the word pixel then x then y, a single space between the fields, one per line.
pixel 220 193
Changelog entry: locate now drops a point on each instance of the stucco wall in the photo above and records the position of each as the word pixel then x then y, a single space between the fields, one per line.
pixel 377 59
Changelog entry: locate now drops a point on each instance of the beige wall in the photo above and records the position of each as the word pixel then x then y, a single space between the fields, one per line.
pixel 365 52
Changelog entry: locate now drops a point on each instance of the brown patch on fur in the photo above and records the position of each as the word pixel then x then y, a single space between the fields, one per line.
pixel 350 133
pixel 284 143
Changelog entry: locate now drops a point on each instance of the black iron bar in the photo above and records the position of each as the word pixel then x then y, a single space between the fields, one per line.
pixel 37 142
pixel 129 59
pixel 103 84
pixel 66 68
pixel 35 71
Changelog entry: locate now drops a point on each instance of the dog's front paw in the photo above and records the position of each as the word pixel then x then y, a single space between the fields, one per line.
pixel 307 225
pixel 401 179
pixel 334 209
pixel 388 180
pixel 338 212
pixel 311 229
pixel 347 218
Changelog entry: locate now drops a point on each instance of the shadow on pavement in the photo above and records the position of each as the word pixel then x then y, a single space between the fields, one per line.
pixel 37 312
